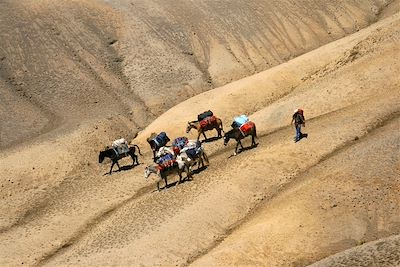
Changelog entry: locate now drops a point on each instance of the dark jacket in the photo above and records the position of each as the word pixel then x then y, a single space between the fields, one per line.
pixel 298 118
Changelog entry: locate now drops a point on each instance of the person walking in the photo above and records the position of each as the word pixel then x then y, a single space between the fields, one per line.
pixel 299 120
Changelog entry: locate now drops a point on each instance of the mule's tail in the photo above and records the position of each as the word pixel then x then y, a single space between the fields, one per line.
pixel 138 149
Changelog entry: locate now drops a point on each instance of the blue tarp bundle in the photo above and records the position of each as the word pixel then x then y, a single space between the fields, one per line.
pixel 180 142
pixel 161 139
pixel 239 121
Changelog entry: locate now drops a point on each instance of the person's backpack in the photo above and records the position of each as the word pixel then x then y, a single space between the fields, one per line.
pixel 204 115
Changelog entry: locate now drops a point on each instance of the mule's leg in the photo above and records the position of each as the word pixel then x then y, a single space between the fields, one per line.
pixel 188 173
pixel 240 143
pixel 219 130
pixel 166 182
pixel 205 157
pixel 119 168
pixel 204 134
pixel 133 156
pixel 154 155
pixel 236 148
pixel 180 178
pixel 112 165
pixel 200 162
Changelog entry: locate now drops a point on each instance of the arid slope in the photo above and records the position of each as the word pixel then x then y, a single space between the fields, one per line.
pixel 64 63
pixel 57 206
pixel 262 197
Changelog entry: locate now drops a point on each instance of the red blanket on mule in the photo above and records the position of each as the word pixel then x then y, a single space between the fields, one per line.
pixel 165 162
pixel 207 121
pixel 246 128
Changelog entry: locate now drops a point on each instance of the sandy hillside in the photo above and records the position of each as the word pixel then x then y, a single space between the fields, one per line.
pixel 79 74
pixel 64 63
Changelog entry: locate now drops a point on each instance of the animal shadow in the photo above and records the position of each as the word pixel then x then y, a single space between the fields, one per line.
pixel 124 168
pixel 199 170
pixel 173 184
pixel 247 148
pixel 211 139
pixel 240 150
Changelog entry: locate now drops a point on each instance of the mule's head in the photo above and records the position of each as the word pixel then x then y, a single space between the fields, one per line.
pixel 151 137
pixel 147 172
pixel 189 127
pixel 153 146
pixel 226 139
pixel 102 155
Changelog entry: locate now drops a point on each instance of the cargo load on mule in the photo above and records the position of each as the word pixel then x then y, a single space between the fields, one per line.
pixel 238 133
pixel 120 146
pixel 165 162
pixel 156 141
pixel 192 149
pixel 161 139
pixel 193 153
pixel 119 149
pixel 179 143
pixel 239 121
pixel 208 121
pixel 204 115
pixel 246 127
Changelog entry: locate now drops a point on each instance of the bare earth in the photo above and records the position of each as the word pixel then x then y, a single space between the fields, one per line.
pixel 75 75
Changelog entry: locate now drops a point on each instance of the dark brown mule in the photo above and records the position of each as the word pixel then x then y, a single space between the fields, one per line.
pixel 154 145
pixel 217 124
pixel 110 153
pixel 238 135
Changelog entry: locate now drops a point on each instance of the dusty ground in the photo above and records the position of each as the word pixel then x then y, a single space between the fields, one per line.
pixel 75 75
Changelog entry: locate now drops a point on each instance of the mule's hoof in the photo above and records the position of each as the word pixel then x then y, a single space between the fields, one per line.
pixel 234 153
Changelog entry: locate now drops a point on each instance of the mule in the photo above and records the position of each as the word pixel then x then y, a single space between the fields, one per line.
pixel 162 151
pixel 238 135
pixel 217 125
pixel 178 168
pixel 200 159
pixel 110 153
